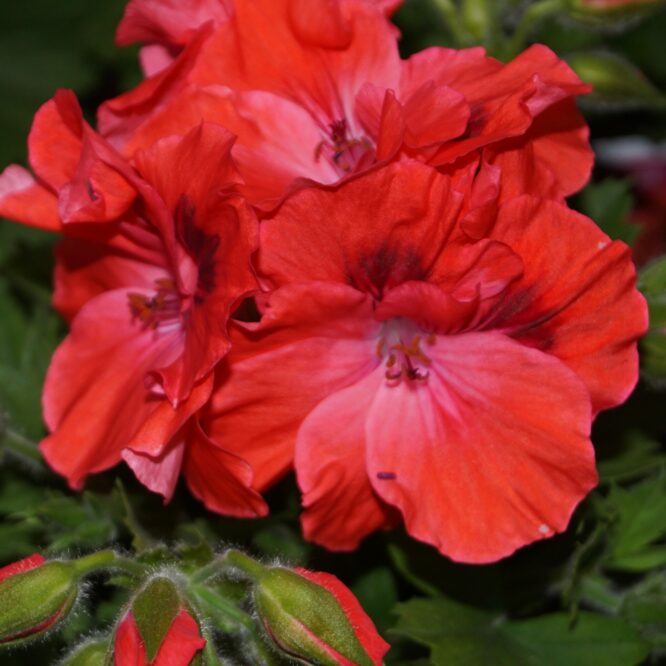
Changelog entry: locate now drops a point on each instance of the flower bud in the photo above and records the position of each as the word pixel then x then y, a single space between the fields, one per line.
pixel 313 617
pixel 34 595
pixel 610 12
pixel 157 630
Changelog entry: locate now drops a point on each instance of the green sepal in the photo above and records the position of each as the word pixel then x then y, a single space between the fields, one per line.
pixel 154 610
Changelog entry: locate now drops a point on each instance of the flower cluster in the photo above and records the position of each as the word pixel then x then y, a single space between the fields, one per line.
pixel 290 249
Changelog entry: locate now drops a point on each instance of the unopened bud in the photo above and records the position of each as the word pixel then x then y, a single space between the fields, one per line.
pixel 157 628
pixel 313 617
pixel 34 595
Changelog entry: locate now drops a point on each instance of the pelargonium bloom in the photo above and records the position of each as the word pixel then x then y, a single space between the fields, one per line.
pixel 152 264
pixel 327 98
pixel 418 365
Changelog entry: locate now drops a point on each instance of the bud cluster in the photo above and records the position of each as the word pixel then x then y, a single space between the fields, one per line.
pixel 174 613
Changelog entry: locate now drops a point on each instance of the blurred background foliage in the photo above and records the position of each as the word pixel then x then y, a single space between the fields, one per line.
pixel 594 594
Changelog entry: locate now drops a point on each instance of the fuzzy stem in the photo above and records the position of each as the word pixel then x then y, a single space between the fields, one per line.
pixel 247 565
pixel 107 559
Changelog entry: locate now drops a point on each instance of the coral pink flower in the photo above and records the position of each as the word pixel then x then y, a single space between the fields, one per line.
pixel 180 646
pixel 149 293
pixel 324 99
pixel 409 365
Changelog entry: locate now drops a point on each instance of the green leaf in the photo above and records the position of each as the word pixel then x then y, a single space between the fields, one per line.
pixel 378 593
pixel 154 610
pixel 462 635
pixel 645 609
pixel 638 455
pixel 609 203
pixel 652 282
pixel 640 521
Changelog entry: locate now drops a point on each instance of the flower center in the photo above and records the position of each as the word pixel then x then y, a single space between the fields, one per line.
pixel 405 358
pixel 343 152
pixel 160 312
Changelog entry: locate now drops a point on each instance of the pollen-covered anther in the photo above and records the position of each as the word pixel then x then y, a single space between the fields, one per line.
pixel 408 361
pixel 343 151
pixel 157 311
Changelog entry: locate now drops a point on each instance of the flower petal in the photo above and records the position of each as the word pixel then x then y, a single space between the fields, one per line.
pixel 577 298
pixel 221 479
pixel 94 395
pixel 314 339
pixel 25 200
pixel 341 507
pixel 492 453
pixel 409 207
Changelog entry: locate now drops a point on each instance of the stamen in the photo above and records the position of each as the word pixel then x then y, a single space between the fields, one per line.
pixel 163 309
pixel 343 151
pixel 406 361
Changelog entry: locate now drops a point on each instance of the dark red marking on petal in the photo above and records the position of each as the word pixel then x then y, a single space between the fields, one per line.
pixel 202 247
pixel 386 268
pixel 386 476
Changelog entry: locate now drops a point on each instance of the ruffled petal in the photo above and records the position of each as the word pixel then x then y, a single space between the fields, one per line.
pixel 314 339
pixel 94 395
pixel 276 139
pixel 490 454
pixel 131 255
pixel 215 233
pixel 410 207
pixel 25 200
pixel 168 22
pixel 119 118
pixel 340 505
pixel 577 298
pixel 221 479
pixel 268 45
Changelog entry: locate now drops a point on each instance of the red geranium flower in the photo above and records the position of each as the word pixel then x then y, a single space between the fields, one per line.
pixel 449 373
pixel 149 292
pixel 322 96
pixel 181 644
